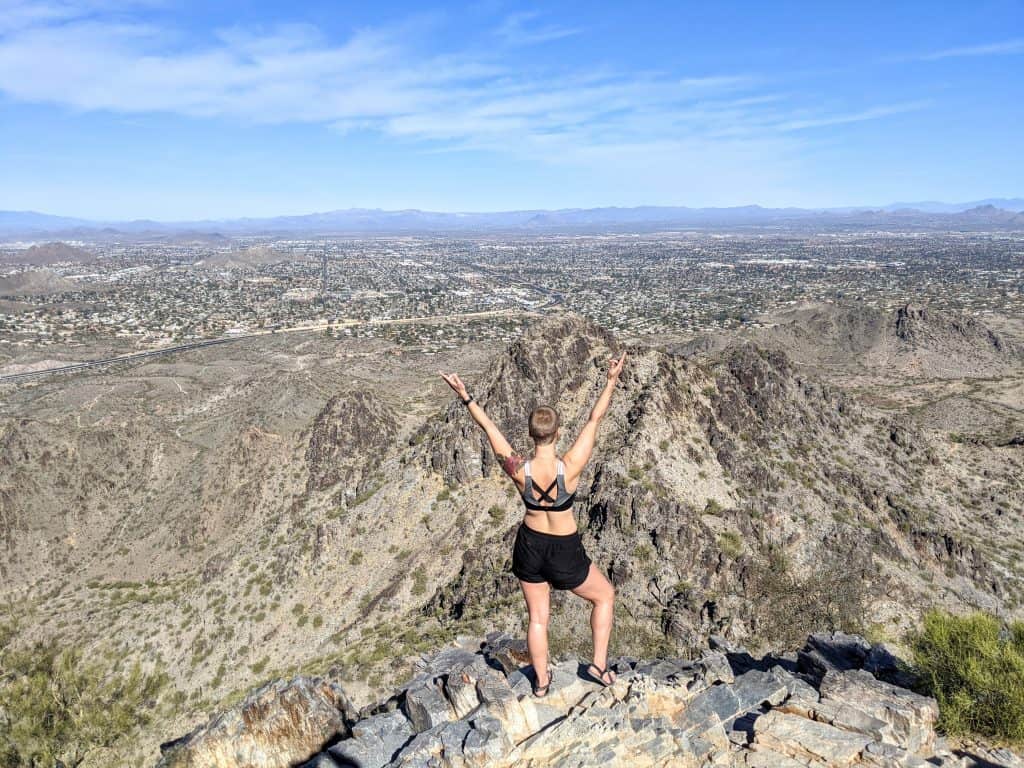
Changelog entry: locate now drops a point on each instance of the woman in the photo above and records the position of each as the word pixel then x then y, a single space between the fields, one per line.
pixel 548 551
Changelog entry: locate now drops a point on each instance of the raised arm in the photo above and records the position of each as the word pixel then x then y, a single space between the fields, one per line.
pixel 511 462
pixel 576 458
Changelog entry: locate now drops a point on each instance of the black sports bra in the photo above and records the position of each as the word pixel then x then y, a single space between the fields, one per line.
pixel 562 501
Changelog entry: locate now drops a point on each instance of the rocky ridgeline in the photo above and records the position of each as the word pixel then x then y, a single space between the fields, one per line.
pixel 838 702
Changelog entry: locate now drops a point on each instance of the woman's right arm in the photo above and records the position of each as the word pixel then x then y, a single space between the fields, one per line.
pixel 576 458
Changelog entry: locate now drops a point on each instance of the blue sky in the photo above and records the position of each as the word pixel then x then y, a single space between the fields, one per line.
pixel 147 109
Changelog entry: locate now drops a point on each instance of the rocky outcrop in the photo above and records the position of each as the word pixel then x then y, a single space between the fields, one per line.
pixel 917 325
pixel 348 439
pixel 912 338
pixel 557 362
pixel 279 724
pixel 466 707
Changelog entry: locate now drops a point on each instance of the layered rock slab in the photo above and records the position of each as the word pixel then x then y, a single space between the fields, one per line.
pixel 471 709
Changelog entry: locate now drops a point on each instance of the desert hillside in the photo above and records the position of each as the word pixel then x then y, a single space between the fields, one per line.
pixel 236 515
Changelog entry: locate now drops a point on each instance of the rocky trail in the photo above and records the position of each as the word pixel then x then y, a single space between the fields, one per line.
pixel 839 701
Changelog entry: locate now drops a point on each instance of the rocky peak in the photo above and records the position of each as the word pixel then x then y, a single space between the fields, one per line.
pixel 349 436
pixel 556 362
pixel 952 331
pixel 839 701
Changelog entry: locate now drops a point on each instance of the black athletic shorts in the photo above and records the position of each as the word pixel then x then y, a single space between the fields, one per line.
pixel 557 559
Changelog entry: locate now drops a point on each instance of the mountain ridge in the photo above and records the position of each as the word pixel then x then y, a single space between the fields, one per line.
pixel 1007 212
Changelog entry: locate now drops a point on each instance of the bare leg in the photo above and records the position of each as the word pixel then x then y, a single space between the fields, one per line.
pixel 601 594
pixel 538 601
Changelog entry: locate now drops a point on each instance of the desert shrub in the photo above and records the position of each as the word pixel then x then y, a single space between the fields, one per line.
pixel 730 543
pixel 419 581
pixel 789 605
pixel 497 513
pixel 712 508
pixel 60 705
pixel 975 671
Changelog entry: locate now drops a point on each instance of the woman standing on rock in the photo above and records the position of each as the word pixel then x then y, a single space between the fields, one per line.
pixel 548 551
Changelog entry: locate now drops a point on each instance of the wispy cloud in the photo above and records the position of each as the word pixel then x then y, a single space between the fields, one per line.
pixel 99 55
pixel 520 29
pixel 1004 48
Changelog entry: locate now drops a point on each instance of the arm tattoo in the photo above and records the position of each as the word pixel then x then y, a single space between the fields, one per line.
pixel 512 463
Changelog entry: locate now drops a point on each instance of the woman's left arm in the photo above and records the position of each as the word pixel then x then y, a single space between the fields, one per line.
pixel 510 460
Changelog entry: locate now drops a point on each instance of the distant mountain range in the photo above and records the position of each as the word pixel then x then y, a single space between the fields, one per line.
pixel 999 213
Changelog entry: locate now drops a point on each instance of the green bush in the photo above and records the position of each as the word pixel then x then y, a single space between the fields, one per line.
pixel 419 581
pixel 974 671
pixel 730 543
pixel 60 705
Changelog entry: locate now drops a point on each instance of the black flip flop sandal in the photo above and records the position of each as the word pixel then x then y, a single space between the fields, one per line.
pixel 599 680
pixel 540 691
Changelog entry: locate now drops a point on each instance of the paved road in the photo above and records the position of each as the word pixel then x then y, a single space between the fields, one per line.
pixel 138 356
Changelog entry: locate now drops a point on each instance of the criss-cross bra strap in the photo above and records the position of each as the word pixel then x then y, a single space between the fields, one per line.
pixel 545 495
pixel 532 501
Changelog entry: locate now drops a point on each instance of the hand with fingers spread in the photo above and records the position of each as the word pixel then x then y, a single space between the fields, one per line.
pixel 615 367
pixel 455 383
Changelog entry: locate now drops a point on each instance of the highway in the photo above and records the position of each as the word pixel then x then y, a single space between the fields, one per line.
pixel 139 356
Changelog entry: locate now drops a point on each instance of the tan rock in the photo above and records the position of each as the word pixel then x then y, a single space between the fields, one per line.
pixel 910 717
pixel 279 725
pixel 800 738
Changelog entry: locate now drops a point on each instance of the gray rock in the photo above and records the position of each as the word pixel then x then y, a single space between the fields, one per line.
pixel 283 723
pixel 885 665
pixel 910 717
pixel 712 707
pixel 800 738
pixel 486 741
pixel 501 702
pixel 715 667
pixel 324 760
pixel 755 687
pixel 798 688
pixel 832 651
pixel 891 756
pixel 375 740
pixel 460 689
pixel 427 707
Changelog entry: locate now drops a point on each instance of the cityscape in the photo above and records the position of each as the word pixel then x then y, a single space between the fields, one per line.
pixel 431 293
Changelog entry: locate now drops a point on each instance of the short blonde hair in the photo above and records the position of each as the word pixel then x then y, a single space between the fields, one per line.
pixel 544 423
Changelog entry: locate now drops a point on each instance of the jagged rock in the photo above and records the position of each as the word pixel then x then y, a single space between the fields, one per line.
pixel 910 717
pixel 465 713
pixel 358 418
pixel 715 667
pixel 800 738
pixel 486 743
pixel 885 665
pixel 501 702
pixel 281 724
pixel 427 707
pixel 374 741
pixel 460 688
pixel 832 651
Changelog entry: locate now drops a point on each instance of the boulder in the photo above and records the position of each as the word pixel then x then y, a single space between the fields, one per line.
pixel 909 717
pixel 803 739
pixel 426 706
pixel 375 741
pixel 827 651
pixel 282 724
